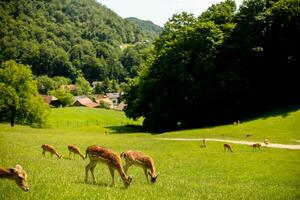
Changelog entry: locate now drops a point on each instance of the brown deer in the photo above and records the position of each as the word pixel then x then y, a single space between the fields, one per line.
pixel 228 147
pixel 75 150
pixel 256 146
pixel 138 158
pixel 103 155
pixel 50 149
pixel 17 174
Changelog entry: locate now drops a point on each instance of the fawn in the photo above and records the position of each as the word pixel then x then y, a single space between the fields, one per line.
pixel 50 149
pixel 17 174
pixel 75 150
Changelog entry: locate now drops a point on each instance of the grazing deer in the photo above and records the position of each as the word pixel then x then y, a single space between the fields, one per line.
pixel 50 149
pixel 17 174
pixel 106 156
pixel 75 150
pixel 256 146
pixel 140 159
pixel 204 142
pixel 227 146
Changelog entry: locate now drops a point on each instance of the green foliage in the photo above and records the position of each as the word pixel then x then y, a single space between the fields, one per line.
pixel 45 84
pixel 83 87
pixel 66 38
pixel 19 98
pixel 148 27
pixel 104 104
pixel 219 67
pixel 64 96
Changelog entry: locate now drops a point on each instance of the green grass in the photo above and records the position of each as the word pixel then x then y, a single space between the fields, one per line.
pixel 186 170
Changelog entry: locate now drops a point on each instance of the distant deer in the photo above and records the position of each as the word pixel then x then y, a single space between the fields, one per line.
pixel 75 150
pixel 203 143
pixel 227 147
pixel 266 141
pixel 17 174
pixel 98 154
pixel 256 146
pixel 50 149
pixel 138 158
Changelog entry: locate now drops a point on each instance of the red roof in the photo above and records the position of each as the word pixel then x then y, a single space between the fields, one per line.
pixel 85 102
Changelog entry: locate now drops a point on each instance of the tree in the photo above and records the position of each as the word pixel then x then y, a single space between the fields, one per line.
pixel 19 98
pixel 65 97
pixel 45 84
pixel 83 86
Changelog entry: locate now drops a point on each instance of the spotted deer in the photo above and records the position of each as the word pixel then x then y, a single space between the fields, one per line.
pixel 50 149
pixel 228 147
pixel 98 154
pixel 138 158
pixel 17 174
pixel 75 150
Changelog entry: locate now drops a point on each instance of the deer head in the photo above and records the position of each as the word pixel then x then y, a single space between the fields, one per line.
pixel 20 177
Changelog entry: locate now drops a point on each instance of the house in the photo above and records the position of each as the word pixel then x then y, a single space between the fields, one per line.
pixel 114 97
pixel 95 83
pixel 51 100
pixel 103 98
pixel 121 106
pixel 84 101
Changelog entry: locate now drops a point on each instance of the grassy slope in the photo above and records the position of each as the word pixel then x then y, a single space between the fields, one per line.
pixel 282 128
pixel 186 171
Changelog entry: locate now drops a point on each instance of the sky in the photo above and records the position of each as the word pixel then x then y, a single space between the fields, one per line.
pixel 158 11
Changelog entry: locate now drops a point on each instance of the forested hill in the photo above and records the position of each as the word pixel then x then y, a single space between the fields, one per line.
pixel 66 37
pixel 147 26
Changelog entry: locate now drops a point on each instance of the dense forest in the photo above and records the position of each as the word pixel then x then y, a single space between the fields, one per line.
pixel 147 26
pixel 220 67
pixel 69 38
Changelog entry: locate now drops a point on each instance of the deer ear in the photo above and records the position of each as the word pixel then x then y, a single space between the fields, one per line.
pixel 18 167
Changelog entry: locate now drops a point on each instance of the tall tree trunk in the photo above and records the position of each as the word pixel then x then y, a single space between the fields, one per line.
pixel 12 116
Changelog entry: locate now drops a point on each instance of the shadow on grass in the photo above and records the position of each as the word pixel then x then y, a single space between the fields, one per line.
pixel 99 184
pixel 279 111
pixel 127 129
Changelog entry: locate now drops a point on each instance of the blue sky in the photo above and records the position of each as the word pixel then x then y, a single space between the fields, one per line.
pixel 158 11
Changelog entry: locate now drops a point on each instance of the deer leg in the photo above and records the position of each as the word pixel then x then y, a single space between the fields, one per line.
pixel 112 173
pixel 69 154
pixel 126 166
pixel 146 174
pixel 90 166
pixel 43 154
pixel 51 155
pixel 92 171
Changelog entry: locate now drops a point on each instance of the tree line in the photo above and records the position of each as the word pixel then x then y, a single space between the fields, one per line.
pixel 224 65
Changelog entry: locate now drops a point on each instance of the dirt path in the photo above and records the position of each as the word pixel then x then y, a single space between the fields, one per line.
pixel 273 145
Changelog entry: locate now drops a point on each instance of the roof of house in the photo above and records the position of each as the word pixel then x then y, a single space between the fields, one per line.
pixel 121 106
pixel 48 98
pixel 113 95
pixel 84 101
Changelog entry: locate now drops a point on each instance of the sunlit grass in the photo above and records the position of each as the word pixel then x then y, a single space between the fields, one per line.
pixel 186 170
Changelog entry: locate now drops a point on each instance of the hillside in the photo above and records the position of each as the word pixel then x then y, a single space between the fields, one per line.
pixel 147 26
pixel 66 37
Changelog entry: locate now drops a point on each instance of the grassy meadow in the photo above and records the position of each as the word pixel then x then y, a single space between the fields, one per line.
pixel 186 170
